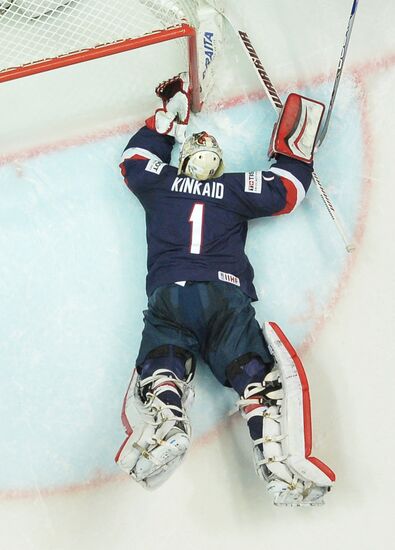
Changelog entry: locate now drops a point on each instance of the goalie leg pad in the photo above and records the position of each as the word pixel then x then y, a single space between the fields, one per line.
pixel 296 411
pixel 158 433
pixel 277 410
pixel 150 460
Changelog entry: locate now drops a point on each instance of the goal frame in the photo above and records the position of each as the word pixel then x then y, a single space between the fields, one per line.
pixel 182 31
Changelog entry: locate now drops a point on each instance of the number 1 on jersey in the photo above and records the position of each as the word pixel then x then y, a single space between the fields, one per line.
pixel 196 219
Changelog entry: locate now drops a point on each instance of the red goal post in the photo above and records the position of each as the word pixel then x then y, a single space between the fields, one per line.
pixel 42 35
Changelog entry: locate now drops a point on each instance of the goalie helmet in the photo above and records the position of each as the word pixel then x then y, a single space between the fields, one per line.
pixel 201 157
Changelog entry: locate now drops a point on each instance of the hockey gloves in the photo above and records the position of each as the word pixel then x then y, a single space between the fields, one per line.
pixel 296 131
pixel 172 118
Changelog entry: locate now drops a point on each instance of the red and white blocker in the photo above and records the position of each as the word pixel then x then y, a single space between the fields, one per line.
pixel 296 131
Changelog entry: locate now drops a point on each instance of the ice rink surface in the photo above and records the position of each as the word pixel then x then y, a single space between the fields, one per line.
pixel 72 292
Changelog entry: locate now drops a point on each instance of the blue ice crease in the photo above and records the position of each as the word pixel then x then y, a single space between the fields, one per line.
pixel 72 286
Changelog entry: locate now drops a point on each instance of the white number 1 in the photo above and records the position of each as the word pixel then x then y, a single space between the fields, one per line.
pixel 196 219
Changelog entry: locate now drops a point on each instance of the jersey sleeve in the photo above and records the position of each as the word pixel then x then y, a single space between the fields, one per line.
pixel 146 154
pixel 276 191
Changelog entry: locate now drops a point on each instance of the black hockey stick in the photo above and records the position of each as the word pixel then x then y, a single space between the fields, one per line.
pixel 277 104
pixel 339 71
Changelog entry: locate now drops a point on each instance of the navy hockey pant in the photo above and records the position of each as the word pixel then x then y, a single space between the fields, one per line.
pixel 213 320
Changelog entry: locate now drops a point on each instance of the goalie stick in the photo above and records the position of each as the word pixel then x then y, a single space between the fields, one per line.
pixel 277 104
pixel 339 71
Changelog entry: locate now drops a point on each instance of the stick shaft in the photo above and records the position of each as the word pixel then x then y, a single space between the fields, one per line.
pixel 339 71
pixel 277 104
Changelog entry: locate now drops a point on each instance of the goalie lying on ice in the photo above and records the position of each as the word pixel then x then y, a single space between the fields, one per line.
pixel 200 289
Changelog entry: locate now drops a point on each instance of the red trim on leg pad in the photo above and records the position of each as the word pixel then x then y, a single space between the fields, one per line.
pixel 124 418
pixel 121 448
pixel 305 387
pixel 323 467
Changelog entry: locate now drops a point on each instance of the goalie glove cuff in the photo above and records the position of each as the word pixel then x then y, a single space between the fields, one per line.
pixel 165 123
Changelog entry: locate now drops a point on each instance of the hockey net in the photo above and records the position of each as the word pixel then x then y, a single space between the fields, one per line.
pixel 40 35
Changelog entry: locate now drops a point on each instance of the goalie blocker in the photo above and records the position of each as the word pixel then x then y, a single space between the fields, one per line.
pixel 296 131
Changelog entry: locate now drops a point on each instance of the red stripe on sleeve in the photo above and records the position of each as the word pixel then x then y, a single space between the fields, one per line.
pixel 137 157
pixel 134 157
pixel 123 169
pixel 292 196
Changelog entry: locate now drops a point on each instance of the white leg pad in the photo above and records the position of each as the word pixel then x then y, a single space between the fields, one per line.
pixel 155 445
pixel 295 413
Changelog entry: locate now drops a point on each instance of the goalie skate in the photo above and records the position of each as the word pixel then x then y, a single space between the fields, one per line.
pixel 158 434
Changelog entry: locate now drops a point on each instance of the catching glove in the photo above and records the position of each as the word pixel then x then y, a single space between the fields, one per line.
pixel 172 118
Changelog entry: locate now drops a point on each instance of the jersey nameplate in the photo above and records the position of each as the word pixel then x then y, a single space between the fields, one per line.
pixel 253 182
pixel 228 278
pixel 213 189
pixel 155 166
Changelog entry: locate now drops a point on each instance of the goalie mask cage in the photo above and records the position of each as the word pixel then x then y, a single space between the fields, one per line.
pixel 41 35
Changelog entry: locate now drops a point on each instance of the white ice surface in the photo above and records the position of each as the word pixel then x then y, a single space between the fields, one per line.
pixel 72 291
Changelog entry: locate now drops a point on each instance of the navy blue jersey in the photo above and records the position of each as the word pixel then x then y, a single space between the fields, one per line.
pixel 196 230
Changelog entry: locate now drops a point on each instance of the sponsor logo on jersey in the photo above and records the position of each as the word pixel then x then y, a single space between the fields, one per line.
pixel 155 166
pixel 213 189
pixel 228 278
pixel 253 182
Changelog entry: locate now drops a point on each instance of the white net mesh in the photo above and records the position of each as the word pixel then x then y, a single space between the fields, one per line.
pixel 33 30
pixel 87 99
